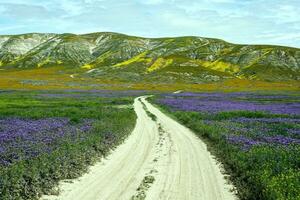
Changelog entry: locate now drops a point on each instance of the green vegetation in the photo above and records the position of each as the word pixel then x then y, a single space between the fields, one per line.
pixel 61 152
pixel 150 114
pixel 259 150
pixel 121 57
pixel 143 187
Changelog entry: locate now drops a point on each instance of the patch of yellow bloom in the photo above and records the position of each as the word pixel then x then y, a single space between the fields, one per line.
pixel 138 58
pixel 221 66
pixel 160 63
pixel 87 66
pixel 44 62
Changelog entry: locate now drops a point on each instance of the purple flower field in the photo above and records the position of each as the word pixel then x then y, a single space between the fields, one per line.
pixel 219 102
pixel 27 138
pixel 49 136
pixel 245 131
pixel 215 106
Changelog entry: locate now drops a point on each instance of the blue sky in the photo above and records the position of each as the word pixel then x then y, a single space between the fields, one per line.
pixel 238 21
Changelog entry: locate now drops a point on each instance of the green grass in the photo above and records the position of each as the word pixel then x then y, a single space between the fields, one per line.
pixel 264 172
pixel 150 114
pixel 29 179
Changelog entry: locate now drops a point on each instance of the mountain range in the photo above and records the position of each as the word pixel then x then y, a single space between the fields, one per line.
pixel 113 56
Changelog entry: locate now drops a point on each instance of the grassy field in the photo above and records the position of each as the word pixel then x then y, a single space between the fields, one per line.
pixel 255 135
pixel 46 137
pixel 58 78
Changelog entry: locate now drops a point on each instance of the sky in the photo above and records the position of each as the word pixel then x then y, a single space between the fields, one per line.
pixel 238 21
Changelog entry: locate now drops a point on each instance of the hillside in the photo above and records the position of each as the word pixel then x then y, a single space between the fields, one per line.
pixel 113 56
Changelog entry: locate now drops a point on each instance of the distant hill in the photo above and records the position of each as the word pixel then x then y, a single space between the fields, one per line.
pixel 161 60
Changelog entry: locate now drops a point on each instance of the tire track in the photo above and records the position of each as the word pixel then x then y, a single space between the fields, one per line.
pixel 161 159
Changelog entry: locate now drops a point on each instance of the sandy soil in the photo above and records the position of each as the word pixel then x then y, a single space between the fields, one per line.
pixel 160 160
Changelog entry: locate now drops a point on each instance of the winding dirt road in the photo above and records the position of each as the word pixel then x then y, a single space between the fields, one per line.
pixel 161 159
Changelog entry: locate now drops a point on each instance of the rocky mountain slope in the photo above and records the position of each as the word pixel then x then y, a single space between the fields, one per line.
pixel 127 58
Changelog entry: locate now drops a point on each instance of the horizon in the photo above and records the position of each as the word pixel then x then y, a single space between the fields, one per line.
pixel 254 44
pixel 272 23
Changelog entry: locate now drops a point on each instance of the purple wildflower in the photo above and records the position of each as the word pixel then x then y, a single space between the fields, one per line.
pixel 27 138
pixel 245 142
pixel 279 139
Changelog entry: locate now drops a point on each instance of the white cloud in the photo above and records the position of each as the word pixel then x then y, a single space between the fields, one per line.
pixel 239 21
pixel 25 11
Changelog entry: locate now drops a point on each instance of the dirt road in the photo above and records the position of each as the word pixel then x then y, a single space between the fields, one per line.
pixel 161 159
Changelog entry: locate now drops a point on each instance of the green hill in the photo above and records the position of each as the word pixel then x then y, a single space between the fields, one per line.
pixel 120 57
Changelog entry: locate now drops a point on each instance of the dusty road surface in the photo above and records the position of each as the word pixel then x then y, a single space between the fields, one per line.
pixel 161 159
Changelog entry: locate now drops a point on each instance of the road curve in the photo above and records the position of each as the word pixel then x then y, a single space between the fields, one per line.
pixel 161 159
